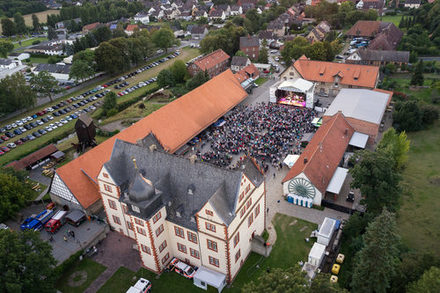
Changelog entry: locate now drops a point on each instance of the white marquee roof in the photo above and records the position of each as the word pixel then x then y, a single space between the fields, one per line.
pixel 337 180
pixel 298 84
pixel 359 140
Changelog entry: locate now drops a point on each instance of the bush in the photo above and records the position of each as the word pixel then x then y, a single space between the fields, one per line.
pixel 36 42
pixel 112 112
pixel 429 114
pixel 435 100
pixel 67 264
pixel 106 133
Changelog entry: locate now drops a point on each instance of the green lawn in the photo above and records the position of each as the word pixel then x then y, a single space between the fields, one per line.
pixel 92 269
pixel 419 216
pixel 261 80
pixel 289 248
pixel 29 42
pixel 391 18
pixel 134 112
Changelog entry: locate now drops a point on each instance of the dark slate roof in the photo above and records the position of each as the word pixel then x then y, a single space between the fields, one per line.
pixel 387 56
pixel 5 61
pixel 198 29
pixel 239 61
pixel 172 178
pixel 249 42
pixel 53 68
pixel 85 119
pixel 266 35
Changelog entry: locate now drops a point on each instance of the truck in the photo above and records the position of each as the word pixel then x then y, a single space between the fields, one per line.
pixel 37 222
pixel 57 221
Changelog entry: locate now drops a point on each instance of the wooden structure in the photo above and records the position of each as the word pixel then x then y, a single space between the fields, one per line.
pixel 85 131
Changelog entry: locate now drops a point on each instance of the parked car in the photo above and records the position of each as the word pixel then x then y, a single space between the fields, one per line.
pixel 182 268
pixel 141 286
pixel 11 145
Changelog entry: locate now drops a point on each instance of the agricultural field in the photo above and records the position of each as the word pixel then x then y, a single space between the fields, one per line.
pixel 42 17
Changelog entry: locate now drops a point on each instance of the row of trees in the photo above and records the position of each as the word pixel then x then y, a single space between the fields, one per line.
pixel 9 7
pixel 102 11
pixel 18 26
pixel 324 51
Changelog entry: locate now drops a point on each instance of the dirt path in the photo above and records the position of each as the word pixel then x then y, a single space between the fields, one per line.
pixel 117 125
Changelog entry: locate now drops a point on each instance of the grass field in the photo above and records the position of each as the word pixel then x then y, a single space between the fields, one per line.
pixel 79 277
pixel 391 18
pixel 289 248
pixel 261 80
pixel 419 216
pixel 29 42
pixel 134 112
pixel 42 17
pixel 20 151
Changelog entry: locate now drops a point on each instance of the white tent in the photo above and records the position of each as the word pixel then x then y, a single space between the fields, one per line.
pixel 297 85
pixel 204 277
pixel 358 140
pixel 290 160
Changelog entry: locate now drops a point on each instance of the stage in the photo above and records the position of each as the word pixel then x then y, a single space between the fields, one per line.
pixel 298 93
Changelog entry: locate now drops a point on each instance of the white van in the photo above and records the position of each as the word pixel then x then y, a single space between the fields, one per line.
pixel 141 286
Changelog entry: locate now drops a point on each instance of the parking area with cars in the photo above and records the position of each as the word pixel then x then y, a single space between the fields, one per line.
pixel 32 127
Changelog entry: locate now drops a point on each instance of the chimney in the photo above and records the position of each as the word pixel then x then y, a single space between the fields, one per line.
pixel 305 161
pixel 134 162
pixel 153 147
pixel 193 159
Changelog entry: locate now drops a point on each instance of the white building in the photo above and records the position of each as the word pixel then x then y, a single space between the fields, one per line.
pixel 59 71
pixel 9 63
pixel 175 207
pixel 142 17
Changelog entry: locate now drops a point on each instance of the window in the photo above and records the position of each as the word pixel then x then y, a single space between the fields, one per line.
pixel 212 245
pixel 194 253
pixel 237 255
pixel 181 247
pixel 250 219
pixel 165 258
pixel 156 217
pixel 159 230
pixel 116 220
pixel 243 210
pixel 236 239
pixel 130 225
pixel 257 210
pixel 135 209
pixel 107 188
pixel 105 175
pixel 209 213
pixel 162 246
pixel 192 237
pixel 210 227
pixel 145 249
pixel 241 196
pixel 179 232
pixel 138 222
pixel 213 261
pixel 249 203
pixel 248 188
pixel 112 204
pixel 124 209
pixel 141 231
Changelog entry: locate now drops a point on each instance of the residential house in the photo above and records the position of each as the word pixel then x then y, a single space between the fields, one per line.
pixel 331 77
pixel 239 62
pixel 75 184
pixel 89 27
pixel 413 3
pixel 250 46
pixel 9 63
pixel 319 32
pixel 199 13
pixel 266 35
pixel 217 14
pixel 383 35
pixel 131 29
pixel 371 4
pixel 185 15
pixel 277 28
pixel 214 63
pixel 198 32
pixel 236 10
pixel 378 57
pixel 142 17
pixel 19 56
pixel 249 72
pixel 46 49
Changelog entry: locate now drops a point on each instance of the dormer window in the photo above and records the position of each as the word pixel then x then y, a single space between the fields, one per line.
pixel 209 213
pixel 135 209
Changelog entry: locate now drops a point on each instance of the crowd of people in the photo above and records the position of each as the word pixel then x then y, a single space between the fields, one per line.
pixel 268 132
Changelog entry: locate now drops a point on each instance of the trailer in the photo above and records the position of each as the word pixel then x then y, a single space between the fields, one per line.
pixel 56 222
pixel 37 222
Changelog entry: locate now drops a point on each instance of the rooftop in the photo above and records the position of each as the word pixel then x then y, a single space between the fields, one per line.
pixel 211 60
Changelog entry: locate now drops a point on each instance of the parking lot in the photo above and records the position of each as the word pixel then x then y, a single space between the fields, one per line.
pixel 32 127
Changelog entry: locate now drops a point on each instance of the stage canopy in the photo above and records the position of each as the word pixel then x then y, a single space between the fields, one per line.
pixel 297 85
pixel 358 140
pixel 337 180
pixel 290 160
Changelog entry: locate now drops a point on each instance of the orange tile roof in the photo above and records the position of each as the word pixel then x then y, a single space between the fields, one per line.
pixel 323 153
pixel 173 125
pixel 247 72
pixel 322 71
pixel 211 59
pixel 131 27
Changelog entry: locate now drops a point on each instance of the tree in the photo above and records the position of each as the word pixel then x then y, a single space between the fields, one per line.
pixel 15 93
pixel 5 48
pixel 197 80
pixel 51 33
pixel 35 23
pixel 109 102
pixel 263 56
pixel 80 70
pixel 15 193
pixel 164 38
pixel 8 27
pixel 428 283
pixel 26 263
pixel 379 183
pixel 19 23
pixel 417 77
pixel 108 58
pixel 44 83
pixel 165 78
pixel 429 114
pixel 376 263
pixel 317 51
pixel 179 71
pixel 396 146
pixel 240 53
pixel 291 280
pixel 408 116
pixel 294 49
pixel 321 284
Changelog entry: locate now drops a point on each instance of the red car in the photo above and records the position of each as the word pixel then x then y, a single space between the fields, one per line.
pixel 4 137
pixel 4 149
pixel 18 142
pixel 1 153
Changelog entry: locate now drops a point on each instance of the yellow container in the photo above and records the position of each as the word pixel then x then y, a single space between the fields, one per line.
pixel 340 258
pixel 335 269
pixel 333 279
